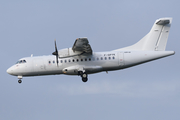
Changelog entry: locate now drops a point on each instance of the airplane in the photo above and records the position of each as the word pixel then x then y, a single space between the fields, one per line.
pixel 81 60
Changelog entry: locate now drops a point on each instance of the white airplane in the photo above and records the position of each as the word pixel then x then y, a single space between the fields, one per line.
pixel 81 60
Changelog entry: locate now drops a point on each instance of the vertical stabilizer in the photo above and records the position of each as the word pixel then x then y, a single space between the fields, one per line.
pixel 156 39
pixel 163 36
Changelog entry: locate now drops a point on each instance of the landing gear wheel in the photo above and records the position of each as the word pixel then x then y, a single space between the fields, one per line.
pixel 84 75
pixel 80 73
pixel 19 81
pixel 84 79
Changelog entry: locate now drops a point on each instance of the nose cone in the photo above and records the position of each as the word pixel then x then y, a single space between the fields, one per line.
pixel 10 71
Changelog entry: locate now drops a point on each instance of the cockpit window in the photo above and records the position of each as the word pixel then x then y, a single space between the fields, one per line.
pixel 21 61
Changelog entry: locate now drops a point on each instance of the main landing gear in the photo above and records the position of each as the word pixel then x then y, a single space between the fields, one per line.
pixel 19 81
pixel 83 76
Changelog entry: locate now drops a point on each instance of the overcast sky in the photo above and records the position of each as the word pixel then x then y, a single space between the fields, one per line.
pixel 150 91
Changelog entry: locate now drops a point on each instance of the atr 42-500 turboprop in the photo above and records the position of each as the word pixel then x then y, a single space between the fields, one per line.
pixel 81 60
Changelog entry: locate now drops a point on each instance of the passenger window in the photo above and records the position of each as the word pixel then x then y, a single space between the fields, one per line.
pixel 49 62
pixel 97 58
pixel 65 61
pixel 113 57
pixel 81 59
pixel 53 61
pixel 61 61
pixel 73 60
pixel 105 58
pixel 89 59
pixel 101 58
pixel 69 60
pixel 93 59
pixel 109 58
pixel 85 59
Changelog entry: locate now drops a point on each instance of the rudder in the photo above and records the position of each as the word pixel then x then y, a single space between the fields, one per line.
pixel 163 37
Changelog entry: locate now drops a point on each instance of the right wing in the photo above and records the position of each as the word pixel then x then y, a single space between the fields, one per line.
pixel 82 45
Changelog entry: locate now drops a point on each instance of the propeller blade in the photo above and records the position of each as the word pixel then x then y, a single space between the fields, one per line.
pixel 56 47
pixel 56 52
pixel 57 59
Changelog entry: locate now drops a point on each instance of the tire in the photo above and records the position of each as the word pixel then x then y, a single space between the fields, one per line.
pixel 80 73
pixel 84 79
pixel 19 81
pixel 84 75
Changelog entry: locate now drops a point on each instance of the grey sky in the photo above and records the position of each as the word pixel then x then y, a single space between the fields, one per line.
pixel 145 92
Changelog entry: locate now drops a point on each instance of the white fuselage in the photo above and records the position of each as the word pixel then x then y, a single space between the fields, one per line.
pixel 97 62
pixel 81 60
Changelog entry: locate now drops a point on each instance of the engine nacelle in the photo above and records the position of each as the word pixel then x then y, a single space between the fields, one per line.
pixel 73 70
pixel 68 52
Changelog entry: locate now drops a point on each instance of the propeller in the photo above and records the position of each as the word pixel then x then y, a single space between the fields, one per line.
pixel 56 52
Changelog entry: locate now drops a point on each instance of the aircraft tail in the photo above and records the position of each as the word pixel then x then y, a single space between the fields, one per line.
pixel 156 39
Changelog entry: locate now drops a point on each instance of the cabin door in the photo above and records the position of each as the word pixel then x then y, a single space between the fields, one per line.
pixel 121 58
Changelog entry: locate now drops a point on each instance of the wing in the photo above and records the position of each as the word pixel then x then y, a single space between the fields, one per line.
pixel 82 45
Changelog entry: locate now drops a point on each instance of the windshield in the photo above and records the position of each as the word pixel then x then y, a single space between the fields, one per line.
pixel 21 61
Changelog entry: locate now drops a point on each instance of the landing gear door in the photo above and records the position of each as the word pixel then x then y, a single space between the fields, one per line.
pixel 121 58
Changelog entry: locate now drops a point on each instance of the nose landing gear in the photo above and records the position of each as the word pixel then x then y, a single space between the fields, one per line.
pixel 19 81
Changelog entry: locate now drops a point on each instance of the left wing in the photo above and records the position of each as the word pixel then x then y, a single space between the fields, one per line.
pixel 82 45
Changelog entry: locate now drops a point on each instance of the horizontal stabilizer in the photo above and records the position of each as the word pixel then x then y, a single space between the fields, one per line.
pixel 163 22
